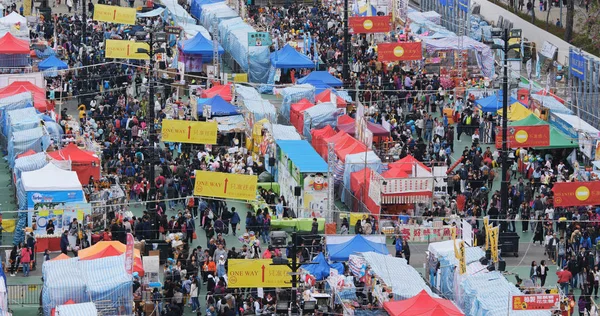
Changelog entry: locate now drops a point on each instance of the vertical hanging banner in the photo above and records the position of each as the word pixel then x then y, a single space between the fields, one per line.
pixel 576 193
pixel 525 136
pixel 191 132
pixel 114 14
pixel 129 254
pixel 486 226
pixel 463 258
pixel 403 10
pixel 27 7
pixel 577 65
pixel 494 242
pixel 399 51
pixel 225 185
pixel 123 49
pixel 370 24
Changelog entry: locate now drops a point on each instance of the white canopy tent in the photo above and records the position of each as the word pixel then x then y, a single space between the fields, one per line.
pixel 13 18
pixel 50 178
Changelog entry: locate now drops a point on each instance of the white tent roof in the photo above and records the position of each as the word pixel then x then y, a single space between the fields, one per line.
pixel 50 178
pixel 578 124
pixel 13 18
pixel 442 248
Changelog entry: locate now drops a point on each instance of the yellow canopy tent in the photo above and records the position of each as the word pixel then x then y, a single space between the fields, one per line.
pixel 516 112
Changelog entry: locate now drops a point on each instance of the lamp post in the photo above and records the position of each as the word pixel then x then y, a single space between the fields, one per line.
pixel 346 66
pixel 154 37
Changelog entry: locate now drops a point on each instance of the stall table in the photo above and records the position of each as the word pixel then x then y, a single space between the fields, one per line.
pixel 50 243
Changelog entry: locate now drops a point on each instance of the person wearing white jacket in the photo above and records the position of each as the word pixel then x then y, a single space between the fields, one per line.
pixel 194 289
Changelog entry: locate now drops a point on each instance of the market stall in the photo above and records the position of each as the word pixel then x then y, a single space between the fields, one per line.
pixel 358 244
pixel 293 94
pixel 14 52
pixel 41 186
pixel 318 141
pixel 85 163
pixel 360 182
pixel 320 268
pixel 319 116
pixel 297 114
pixel 197 51
pixel 332 96
pixel 222 90
pixel 287 58
pixel 321 77
pixel 104 249
pixel 415 187
pixel 39 94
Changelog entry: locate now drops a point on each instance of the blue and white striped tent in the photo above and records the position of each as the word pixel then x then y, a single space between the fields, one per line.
pixel 81 309
pixel 14 102
pixel 294 94
pixel 22 119
pixel 22 141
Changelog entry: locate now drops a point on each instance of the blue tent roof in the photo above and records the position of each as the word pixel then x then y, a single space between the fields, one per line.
pixel 288 57
pixel 322 76
pixel 493 103
pixel 199 45
pixel 341 252
pixel 52 62
pixel 303 155
pixel 319 85
pixel 320 267
pixel 219 107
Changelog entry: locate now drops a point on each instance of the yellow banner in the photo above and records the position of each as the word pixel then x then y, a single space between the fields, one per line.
pixel 124 49
pixel 114 14
pixel 180 131
pixel 456 254
pixel 494 242
pixel 245 273
pixel 462 259
pixel 26 8
pixel 486 221
pixel 225 185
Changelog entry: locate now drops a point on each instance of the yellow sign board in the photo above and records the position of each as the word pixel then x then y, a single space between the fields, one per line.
pixel 124 49
pixel 245 273
pixel 463 258
pixel 26 8
pixel 180 131
pixel 486 221
pixel 225 185
pixel 114 14
pixel 494 242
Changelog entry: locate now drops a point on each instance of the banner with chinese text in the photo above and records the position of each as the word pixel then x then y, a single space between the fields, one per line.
pixel 399 51
pixel 525 136
pixel 370 24
pixel 576 193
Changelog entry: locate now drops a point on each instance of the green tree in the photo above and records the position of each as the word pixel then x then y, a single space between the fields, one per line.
pixel 588 37
pixel 569 21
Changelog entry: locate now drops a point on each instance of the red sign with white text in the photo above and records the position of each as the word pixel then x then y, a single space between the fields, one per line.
pixel 525 136
pixel 399 51
pixel 535 302
pixel 129 254
pixel 576 193
pixel 370 24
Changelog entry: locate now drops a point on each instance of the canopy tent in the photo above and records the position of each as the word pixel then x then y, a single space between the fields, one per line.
pixel 200 45
pixel 21 119
pixel 218 106
pixel 283 132
pixel 395 173
pixel 319 116
pixel 360 181
pixel 62 256
pixel 341 252
pixel 557 138
pixel 322 76
pixel 255 104
pixel 191 30
pixel 492 103
pixel 104 249
pixel 303 156
pixel 578 124
pixel 530 120
pixel 484 54
pixel 516 111
pixel 297 114
pixel 288 57
pixel 318 137
pixel 13 18
pixel 39 94
pixel 328 96
pixel 222 90
pixel 551 103
pixel 52 62
pixel 196 6
pixel 320 268
pixel 31 139
pixel 348 145
pixel 45 179
pixel 85 163
pixel 294 94
pixel 335 138
pixel 411 165
pixel 544 93
pixel 12 45
pixel 81 309
pixel 422 304
pixel 348 125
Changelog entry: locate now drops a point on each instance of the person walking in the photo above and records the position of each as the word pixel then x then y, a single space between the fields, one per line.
pixel 564 278
pixel 26 260
pixel 194 289
pixel 533 272
pixel 542 272
pixel 235 220
pixel 406 251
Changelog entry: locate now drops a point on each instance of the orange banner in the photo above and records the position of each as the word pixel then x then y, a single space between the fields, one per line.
pixel 399 51
pixel 576 193
pixel 525 136
pixel 370 24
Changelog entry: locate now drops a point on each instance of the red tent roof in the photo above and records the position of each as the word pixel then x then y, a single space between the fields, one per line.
pixel 39 94
pixel 12 45
pixel 325 96
pixel 395 173
pixel 360 189
pixel 406 164
pixel 297 114
pixel 74 153
pixel 348 125
pixel 345 119
pixel 422 305
pixel 27 153
pixel 544 92
pixel 222 90
pixel 347 146
pixel 318 139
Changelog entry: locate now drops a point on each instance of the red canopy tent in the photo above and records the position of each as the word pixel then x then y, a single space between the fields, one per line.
pixel 103 249
pixel 318 138
pixel 297 114
pixel 395 173
pixel 39 94
pixel 348 145
pixel 332 139
pixel 221 90
pixel 325 96
pixel 85 163
pixel 348 125
pixel 359 184
pixel 12 45
pixel 422 305
pixel 403 169
pixel 407 164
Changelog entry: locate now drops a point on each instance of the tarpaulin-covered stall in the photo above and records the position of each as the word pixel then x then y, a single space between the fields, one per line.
pixel 30 139
pixel 331 95
pixel 41 186
pixel 85 163
pixel 297 114
pixel 319 116
pixel 320 268
pixel 257 108
pixel 288 57
pixel 548 102
pixel 103 249
pixel 21 119
pixel 356 162
pixel 196 6
pixel 484 54
pixel 14 102
pixel 218 106
pixel 342 252
pixel 178 13
pixel 213 13
pixel 360 182
pixel 294 94
pixel 283 132
pixel 81 309
pixel 321 76
pixel 348 145
pixel 318 137
pixel 222 90
pixel 38 94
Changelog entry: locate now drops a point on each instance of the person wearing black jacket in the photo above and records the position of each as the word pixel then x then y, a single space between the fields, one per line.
pixel 406 251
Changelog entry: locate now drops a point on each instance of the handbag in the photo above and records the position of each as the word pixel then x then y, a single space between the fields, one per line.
pixel 194 236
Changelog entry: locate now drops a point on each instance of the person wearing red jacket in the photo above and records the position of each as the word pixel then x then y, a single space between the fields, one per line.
pixel 564 278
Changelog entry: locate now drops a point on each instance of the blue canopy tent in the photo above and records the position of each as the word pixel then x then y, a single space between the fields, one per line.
pixel 493 103
pixel 319 267
pixel 322 76
pixel 52 62
pixel 196 6
pixel 341 252
pixel 218 107
pixel 319 85
pixel 200 45
pixel 288 57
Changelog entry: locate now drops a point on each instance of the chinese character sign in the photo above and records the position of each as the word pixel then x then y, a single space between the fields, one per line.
pixel 577 65
pixel 129 254
pixel 525 136
pixel 463 258
pixel 370 24
pixel 407 185
pixel 535 302
pixel 399 51
pixel 576 193
pixel 225 185
pixel 259 39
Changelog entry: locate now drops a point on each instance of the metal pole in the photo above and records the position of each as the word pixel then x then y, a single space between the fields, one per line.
pixel 294 270
pixel 504 183
pixel 151 131
pixel 345 66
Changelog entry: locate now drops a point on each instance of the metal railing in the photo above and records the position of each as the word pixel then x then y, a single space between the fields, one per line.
pixel 24 294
